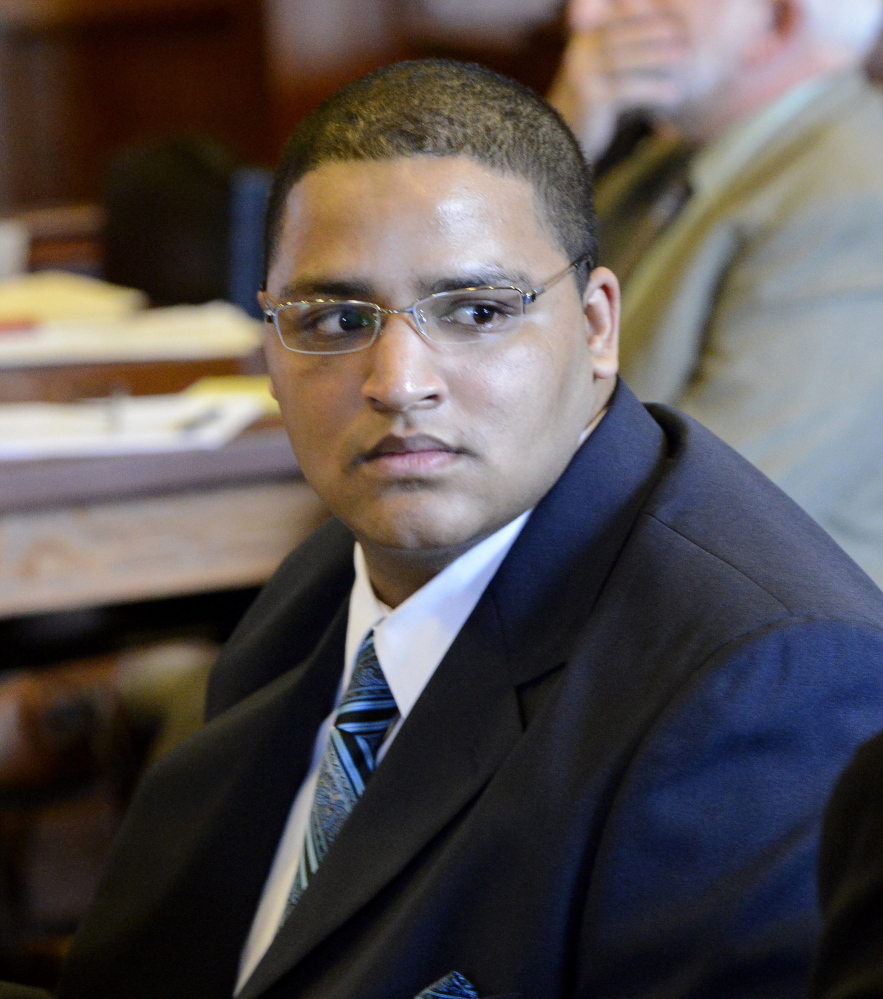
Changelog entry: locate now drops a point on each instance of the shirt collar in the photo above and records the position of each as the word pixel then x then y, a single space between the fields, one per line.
pixel 412 639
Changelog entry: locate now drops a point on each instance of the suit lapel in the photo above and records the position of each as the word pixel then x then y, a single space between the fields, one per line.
pixel 226 874
pixel 286 622
pixel 639 199
pixel 545 590
pixel 447 750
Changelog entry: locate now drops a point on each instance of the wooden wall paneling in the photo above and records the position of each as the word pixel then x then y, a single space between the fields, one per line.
pixel 316 46
pixel 303 73
pixel 38 152
pixel 200 70
pixel 79 80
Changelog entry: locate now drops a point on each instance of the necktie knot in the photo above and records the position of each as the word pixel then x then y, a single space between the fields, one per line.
pixel 366 712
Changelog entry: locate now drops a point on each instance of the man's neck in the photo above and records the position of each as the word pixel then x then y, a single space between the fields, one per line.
pixel 706 121
pixel 395 575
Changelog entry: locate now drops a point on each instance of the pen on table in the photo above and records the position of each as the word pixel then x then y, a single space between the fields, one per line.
pixel 200 420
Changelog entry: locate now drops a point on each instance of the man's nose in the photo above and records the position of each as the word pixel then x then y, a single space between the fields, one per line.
pixel 405 371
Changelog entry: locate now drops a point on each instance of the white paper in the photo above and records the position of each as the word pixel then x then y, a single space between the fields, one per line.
pixel 54 296
pixel 181 332
pixel 126 425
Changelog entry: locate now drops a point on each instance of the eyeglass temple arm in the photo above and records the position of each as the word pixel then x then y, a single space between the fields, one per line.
pixel 531 296
pixel 263 297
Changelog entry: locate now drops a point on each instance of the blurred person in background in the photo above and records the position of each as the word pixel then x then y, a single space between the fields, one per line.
pixel 747 229
pixel 875 61
pixel 849 963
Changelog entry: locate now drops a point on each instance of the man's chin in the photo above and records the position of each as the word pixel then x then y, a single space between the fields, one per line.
pixel 425 533
pixel 416 540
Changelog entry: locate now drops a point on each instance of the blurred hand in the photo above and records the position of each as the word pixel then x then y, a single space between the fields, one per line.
pixel 623 55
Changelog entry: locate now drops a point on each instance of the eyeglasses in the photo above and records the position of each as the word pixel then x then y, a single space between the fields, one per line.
pixel 467 315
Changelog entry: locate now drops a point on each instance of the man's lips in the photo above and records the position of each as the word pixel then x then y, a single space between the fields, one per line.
pixel 413 444
pixel 410 454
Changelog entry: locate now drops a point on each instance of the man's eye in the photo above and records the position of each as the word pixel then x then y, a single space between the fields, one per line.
pixel 485 316
pixel 337 320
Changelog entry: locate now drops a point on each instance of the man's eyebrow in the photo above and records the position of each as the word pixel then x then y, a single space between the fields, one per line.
pixel 352 288
pixel 493 276
pixel 325 288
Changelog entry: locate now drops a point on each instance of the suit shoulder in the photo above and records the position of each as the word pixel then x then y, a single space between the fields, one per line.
pixel 754 539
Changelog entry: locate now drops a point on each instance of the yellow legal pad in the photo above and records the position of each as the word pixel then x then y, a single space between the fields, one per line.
pixel 256 387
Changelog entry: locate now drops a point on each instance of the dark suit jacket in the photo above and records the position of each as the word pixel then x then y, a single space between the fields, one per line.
pixel 10 991
pixel 611 787
pixel 850 959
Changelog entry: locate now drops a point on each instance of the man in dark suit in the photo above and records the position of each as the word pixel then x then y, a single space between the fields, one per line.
pixel 563 722
pixel 850 956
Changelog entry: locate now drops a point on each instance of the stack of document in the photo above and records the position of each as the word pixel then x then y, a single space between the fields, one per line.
pixel 182 332
pixel 56 296
pixel 255 387
pixel 55 318
pixel 124 425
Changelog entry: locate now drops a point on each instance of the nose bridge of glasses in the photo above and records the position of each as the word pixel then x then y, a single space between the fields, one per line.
pixel 418 320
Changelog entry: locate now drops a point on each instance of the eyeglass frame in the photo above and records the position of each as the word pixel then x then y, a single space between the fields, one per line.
pixel 271 311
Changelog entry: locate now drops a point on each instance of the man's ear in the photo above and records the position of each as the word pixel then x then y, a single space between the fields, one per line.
pixel 786 20
pixel 601 308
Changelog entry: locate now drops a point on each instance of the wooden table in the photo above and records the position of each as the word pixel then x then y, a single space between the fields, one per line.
pixel 84 532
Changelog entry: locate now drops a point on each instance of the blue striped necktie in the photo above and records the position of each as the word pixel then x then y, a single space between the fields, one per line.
pixel 366 713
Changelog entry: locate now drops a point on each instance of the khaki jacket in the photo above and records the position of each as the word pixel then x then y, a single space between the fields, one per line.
pixel 760 311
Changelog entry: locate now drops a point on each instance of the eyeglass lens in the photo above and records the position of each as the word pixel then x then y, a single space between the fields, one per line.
pixel 449 317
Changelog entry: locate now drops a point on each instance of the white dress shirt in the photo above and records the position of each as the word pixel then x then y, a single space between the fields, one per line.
pixel 410 642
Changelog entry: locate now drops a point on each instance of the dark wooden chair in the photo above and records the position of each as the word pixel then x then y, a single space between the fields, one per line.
pixel 69 756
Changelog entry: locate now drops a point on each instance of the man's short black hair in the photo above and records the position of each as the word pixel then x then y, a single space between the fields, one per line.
pixel 439 107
